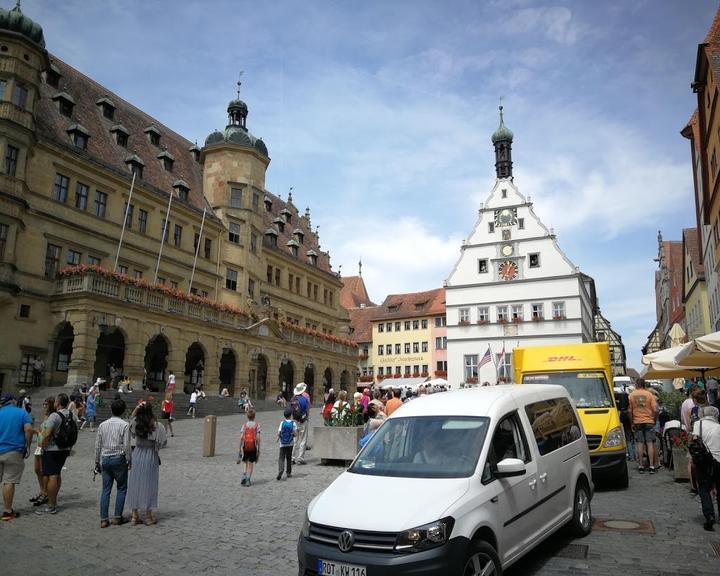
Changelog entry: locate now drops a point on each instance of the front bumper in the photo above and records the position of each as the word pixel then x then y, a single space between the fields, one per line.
pixel 444 560
pixel 608 464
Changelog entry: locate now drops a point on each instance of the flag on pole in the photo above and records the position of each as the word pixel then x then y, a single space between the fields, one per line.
pixel 501 359
pixel 487 357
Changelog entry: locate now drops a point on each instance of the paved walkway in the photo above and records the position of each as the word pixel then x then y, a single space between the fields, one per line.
pixel 209 524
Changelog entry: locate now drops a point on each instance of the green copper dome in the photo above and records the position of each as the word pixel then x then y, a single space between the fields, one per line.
pixel 503 132
pixel 15 21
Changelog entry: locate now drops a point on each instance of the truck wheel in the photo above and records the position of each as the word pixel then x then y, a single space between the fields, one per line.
pixel 581 521
pixel 482 560
pixel 623 479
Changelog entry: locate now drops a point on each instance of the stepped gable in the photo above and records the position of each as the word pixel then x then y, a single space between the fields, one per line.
pixel 353 293
pixel 102 147
pixel 413 304
pixel 690 239
pixel 310 239
pixel 361 321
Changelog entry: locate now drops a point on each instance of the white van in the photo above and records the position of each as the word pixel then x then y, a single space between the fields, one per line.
pixel 459 483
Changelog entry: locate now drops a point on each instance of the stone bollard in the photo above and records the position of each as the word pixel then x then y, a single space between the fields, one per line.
pixel 209 429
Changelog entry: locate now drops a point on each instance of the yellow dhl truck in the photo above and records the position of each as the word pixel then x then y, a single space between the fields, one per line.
pixel 585 371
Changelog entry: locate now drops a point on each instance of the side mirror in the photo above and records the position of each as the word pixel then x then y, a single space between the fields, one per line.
pixel 510 467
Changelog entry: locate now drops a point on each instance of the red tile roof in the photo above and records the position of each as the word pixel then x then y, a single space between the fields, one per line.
pixel 713 35
pixel 413 305
pixel 690 239
pixel 353 293
pixel 361 322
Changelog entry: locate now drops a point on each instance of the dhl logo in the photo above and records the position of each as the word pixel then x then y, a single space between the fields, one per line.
pixel 562 358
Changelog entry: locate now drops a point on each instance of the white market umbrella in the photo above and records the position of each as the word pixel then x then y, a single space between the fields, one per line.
pixel 702 350
pixel 664 364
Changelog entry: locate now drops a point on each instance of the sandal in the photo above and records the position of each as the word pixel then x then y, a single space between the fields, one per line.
pixel 135 521
pixel 150 520
pixel 104 523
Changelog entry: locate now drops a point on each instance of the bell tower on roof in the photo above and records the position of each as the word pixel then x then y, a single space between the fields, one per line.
pixel 502 141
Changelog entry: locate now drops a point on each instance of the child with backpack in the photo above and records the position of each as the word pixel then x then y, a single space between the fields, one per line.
pixel 286 437
pixel 249 451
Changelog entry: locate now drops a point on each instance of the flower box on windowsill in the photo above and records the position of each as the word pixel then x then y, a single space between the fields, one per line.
pixel 397 375
pixel 558 317
pixel 441 373
pixel 483 322
pixel 538 319
pixel 517 320
pixel 366 378
pixel 471 380
pixel 416 375
pixel 502 321
pixel 424 374
pixel 463 323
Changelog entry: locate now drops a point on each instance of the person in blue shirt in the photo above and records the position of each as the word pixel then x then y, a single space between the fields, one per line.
pixel 16 434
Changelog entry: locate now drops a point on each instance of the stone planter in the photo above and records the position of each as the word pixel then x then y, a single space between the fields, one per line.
pixel 336 442
pixel 680 464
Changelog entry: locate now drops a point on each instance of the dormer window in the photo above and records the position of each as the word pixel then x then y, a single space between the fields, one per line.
pixel 182 189
pixel 65 103
pixel 107 107
pixel 135 165
pixel 294 246
pixel 312 255
pixel 121 135
pixel 195 151
pixel 272 236
pixel 286 214
pixel 268 203
pixel 153 135
pixel 299 235
pixel 167 160
pixel 53 75
pixel 280 223
pixel 79 135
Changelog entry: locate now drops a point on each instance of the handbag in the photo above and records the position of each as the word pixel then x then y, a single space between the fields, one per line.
pixel 702 457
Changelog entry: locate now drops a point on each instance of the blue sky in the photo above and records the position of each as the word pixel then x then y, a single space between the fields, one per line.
pixel 379 115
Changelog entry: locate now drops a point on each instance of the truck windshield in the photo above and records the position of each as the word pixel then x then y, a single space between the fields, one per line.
pixel 587 388
pixel 424 447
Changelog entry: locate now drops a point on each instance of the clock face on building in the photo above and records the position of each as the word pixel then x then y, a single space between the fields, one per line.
pixel 508 270
pixel 507 250
pixel 505 217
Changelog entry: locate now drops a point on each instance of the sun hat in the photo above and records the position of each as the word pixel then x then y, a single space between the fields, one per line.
pixel 357 395
pixel 300 388
pixel 22 391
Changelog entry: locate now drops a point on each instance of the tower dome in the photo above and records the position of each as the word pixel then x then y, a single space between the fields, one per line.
pixel 236 131
pixel 15 21
pixel 502 132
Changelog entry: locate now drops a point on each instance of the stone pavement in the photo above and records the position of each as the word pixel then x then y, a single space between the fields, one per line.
pixel 209 524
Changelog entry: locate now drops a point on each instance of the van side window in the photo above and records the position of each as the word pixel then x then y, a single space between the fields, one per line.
pixel 508 441
pixel 554 424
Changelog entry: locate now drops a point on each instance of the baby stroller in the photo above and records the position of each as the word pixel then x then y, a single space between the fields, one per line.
pixel 670 430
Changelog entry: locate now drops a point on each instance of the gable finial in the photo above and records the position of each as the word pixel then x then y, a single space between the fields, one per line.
pixel 360 267
pixel 239 83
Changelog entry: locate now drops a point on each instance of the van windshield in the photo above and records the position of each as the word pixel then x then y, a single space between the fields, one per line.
pixel 588 389
pixel 424 447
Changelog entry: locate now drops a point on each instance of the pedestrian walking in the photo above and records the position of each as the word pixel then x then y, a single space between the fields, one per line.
pixel 16 434
pixel 643 413
pixel 249 449
pixel 48 407
pixel 166 413
pixel 112 459
pixel 59 436
pixel 170 382
pixel 300 407
pixel 286 437
pixel 144 477
pixel 193 401
pixel 707 430
pixel 90 409
pixel 712 391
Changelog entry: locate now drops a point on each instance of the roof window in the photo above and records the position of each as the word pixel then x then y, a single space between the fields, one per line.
pixel 153 135
pixel 293 245
pixel 65 103
pixel 182 188
pixel 53 75
pixel 195 151
pixel 299 235
pixel 79 135
pixel 121 134
pixel 268 203
pixel 287 214
pixel 107 107
pixel 280 223
pixel 167 160
pixel 312 255
pixel 135 165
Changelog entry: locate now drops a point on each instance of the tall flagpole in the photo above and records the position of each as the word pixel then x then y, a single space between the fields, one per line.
pixel 197 250
pixel 162 242
pixel 122 233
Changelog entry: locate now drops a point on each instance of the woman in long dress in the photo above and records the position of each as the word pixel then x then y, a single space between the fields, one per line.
pixel 144 477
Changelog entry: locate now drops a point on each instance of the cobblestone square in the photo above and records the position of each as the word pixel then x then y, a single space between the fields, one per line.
pixel 209 524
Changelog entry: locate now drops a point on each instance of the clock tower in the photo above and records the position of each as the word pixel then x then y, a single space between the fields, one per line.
pixel 502 140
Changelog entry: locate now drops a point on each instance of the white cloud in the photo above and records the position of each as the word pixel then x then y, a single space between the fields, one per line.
pixel 556 23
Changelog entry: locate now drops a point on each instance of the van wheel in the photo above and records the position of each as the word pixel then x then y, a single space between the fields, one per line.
pixel 581 521
pixel 482 560
pixel 623 479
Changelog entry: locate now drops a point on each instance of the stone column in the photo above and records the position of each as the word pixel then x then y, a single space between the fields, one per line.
pixel 82 362
pixel 211 372
pixel 134 364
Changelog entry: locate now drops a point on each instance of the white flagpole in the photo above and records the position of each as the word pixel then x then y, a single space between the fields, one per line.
pixel 122 233
pixel 162 241
pixel 197 250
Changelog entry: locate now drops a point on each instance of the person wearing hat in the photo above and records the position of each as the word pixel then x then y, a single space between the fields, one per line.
pixel 24 401
pixel 300 405
pixel 16 434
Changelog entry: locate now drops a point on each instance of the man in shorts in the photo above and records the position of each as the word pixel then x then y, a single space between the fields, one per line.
pixel 53 457
pixel 643 413
pixel 16 434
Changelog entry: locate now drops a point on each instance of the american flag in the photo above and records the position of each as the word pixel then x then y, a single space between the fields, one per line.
pixel 486 358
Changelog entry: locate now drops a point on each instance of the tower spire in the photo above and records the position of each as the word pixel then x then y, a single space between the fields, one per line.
pixel 502 140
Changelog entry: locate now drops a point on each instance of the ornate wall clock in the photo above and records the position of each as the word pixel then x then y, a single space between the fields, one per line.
pixel 506 217
pixel 508 270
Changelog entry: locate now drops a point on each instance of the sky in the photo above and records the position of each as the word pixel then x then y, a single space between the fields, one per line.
pixel 379 114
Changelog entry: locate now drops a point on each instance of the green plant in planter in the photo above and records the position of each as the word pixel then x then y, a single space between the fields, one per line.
pixel 672 401
pixel 350 415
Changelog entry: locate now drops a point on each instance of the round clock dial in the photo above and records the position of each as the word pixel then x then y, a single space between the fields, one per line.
pixel 508 270
pixel 507 250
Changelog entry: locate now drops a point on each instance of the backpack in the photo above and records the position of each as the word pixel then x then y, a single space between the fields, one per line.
pixel 297 411
pixel 66 434
pixel 286 433
pixel 701 456
pixel 249 438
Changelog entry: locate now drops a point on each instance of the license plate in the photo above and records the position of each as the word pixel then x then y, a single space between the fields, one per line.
pixel 328 568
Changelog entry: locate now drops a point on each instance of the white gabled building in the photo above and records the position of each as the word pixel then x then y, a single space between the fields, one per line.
pixel 512 285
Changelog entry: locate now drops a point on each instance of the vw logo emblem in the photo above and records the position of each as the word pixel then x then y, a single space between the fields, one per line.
pixel 346 541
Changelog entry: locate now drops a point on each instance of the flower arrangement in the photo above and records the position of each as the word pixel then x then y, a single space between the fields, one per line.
pixel 483 321
pixel 559 317
pixel 463 323
pixel 350 415
pixel 317 334
pixel 517 319
pixel 681 440
pixel 83 269
pixel 471 380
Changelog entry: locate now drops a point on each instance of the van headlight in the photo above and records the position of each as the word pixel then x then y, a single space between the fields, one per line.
pixel 615 437
pixel 305 531
pixel 424 537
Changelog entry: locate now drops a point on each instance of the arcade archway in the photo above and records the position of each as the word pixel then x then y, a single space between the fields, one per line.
pixel 257 377
pixel 327 379
pixel 227 371
pixel 156 359
pixel 309 379
pixel 194 366
pixel 286 377
pixel 345 380
pixel 109 354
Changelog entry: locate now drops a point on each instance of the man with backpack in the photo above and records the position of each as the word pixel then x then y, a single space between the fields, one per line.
pixel 58 438
pixel 300 406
